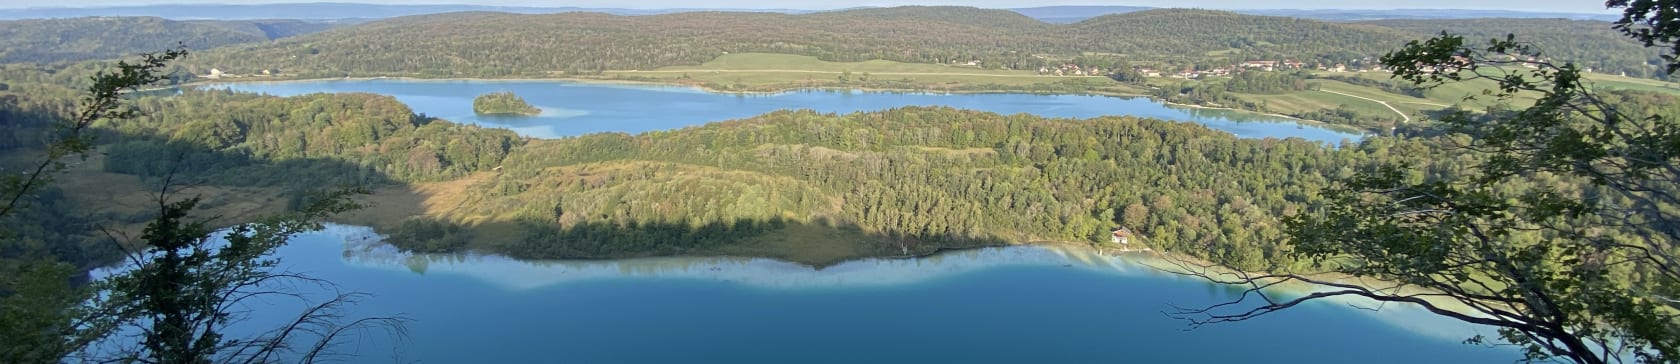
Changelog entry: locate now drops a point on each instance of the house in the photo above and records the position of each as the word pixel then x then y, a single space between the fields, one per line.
pixel 215 73
pixel 1122 236
pixel 1267 66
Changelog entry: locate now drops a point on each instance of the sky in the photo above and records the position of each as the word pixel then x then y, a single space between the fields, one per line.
pixel 1572 6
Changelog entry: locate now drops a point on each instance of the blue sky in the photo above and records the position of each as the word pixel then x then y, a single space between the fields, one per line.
pixel 1575 6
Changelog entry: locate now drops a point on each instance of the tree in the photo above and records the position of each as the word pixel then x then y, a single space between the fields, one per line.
pixel 181 288
pixel 1653 22
pixel 1563 237
pixel 41 322
pixel 186 288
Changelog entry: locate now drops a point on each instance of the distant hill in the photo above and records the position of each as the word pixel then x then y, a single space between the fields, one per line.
pixel 1074 14
pixel 331 10
pixel 78 39
pixel 502 44
pixel 312 11
pixel 1357 15
pixel 1196 33
pixel 497 44
pixel 1587 42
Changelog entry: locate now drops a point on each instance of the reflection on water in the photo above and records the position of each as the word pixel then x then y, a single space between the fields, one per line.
pixel 364 248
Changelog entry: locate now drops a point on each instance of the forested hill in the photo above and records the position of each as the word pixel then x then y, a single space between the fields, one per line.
pixel 79 39
pixel 1194 33
pixel 1592 43
pixel 496 44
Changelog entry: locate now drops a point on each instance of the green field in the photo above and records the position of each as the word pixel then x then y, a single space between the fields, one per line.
pixel 763 71
pixel 774 72
pixel 1369 100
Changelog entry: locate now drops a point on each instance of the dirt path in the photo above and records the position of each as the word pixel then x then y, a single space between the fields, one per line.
pixel 1407 118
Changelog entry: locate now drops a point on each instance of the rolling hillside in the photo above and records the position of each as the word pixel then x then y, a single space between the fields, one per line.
pixel 1586 42
pixel 500 44
pixel 79 39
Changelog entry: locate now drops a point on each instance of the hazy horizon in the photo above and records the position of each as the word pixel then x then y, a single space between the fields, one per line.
pixel 1508 5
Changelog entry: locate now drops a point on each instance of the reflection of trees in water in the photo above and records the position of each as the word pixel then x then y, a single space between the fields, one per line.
pixel 364 248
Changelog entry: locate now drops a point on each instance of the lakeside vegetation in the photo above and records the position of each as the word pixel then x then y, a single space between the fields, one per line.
pixel 503 103
pixel 949 49
pixel 1560 211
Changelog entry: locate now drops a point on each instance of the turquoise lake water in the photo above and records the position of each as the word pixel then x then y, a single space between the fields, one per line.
pixel 1000 305
pixel 571 108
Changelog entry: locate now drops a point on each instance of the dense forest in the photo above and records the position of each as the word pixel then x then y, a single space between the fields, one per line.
pixel 485 44
pixel 925 178
pixel 501 45
pixel 287 145
pixel 1591 44
pixel 912 180
pixel 93 38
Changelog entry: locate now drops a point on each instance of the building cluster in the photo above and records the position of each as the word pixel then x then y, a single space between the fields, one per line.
pixel 1069 69
pixel 217 73
pixel 1251 65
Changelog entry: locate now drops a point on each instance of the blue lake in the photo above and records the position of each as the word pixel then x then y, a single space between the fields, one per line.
pixel 1022 304
pixel 571 108
pixel 1025 304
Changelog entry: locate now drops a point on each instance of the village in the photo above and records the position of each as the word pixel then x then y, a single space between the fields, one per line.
pixel 1076 70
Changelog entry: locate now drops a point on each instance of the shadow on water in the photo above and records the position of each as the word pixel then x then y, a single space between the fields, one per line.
pixel 816 243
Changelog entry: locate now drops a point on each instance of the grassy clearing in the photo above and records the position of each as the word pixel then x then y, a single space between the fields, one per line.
pixel 767 71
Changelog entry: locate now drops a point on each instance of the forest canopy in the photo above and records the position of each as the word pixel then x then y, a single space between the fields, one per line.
pixel 504 102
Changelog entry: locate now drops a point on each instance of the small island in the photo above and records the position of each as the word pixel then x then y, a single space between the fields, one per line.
pixel 503 103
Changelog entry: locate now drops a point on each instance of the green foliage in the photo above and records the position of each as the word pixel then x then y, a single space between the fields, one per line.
pixel 1588 44
pixel 185 288
pixel 504 102
pixel 92 38
pixel 1248 82
pixel 1653 22
pixel 1562 235
pixel 930 178
pixel 582 43
pixel 309 141
pixel 430 236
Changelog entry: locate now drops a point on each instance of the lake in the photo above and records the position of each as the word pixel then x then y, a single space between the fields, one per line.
pixel 1000 305
pixel 572 108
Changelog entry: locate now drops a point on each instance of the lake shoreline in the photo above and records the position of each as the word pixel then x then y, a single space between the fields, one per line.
pixel 774 91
